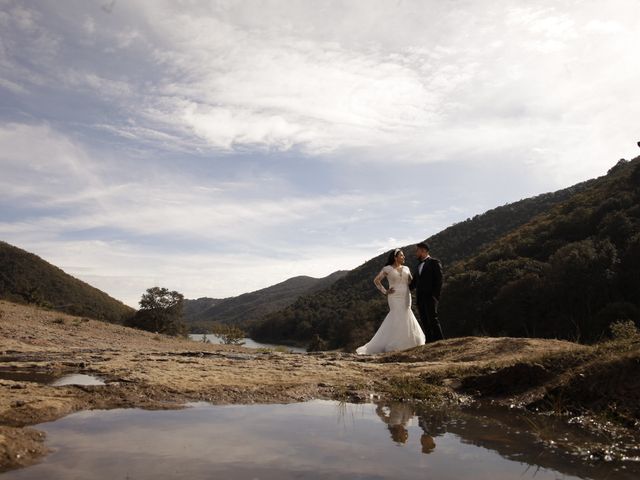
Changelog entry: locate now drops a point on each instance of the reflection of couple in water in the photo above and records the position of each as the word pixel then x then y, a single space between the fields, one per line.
pixel 397 416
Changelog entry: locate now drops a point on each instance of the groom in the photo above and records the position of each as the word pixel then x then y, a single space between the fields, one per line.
pixel 427 281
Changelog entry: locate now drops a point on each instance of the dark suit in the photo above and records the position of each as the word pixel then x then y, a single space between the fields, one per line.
pixel 427 285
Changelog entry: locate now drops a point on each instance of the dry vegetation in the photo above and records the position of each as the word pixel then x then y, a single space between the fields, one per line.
pixel 153 371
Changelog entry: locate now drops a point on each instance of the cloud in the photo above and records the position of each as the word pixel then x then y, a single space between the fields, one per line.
pixel 229 86
pixel 103 87
pixel 280 93
pixel 320 133
pixel 39 164
pixel 12 86
pixel 54 171
pixel 126 271
pixel 235 81
pixel 417 79
pixel 169 228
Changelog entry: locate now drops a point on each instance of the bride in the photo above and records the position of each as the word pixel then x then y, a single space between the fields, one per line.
pixel 400 329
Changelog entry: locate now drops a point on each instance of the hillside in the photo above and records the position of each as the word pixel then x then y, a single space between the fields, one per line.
pixel 25 277
pixel 250 307
pixel 347 313
pixel 193 309
pixel 568 273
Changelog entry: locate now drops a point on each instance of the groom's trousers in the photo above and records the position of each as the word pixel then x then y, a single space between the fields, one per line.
pixel 428 312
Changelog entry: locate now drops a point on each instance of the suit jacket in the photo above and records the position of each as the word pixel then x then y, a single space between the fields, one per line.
pixel 429 283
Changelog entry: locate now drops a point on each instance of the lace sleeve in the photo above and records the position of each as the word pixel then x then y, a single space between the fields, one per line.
pixel 378 280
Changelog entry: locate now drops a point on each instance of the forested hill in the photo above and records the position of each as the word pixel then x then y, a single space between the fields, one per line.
pixel 249 307
pixel 348 312
pixel 567 274
pixel 25 277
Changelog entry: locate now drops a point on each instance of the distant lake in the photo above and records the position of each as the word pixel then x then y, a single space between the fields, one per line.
pixel 248 342
pixel 315 440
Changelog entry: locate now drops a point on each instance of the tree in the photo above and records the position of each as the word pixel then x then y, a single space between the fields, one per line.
pixel 518 308
pixel 229 334
pixel 581 278
pixel 160 311
pixel 629 283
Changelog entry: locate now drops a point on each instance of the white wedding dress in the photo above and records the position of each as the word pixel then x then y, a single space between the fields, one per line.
pixel 400 329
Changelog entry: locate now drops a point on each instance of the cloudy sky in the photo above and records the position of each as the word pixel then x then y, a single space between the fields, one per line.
pixel 218 147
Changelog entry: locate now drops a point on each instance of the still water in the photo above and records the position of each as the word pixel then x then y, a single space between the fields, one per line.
pixel 77 379
pixel 248 342
pixel 50 378
pixel 312 440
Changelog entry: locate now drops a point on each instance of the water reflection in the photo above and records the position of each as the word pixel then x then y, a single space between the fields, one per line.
pixel 397 417
pixel 247 343
pixel 313 440
pixel 517 436
pixel 50 378
pixel 77 379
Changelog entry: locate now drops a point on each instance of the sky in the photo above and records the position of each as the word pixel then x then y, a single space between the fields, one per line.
pixel 220 147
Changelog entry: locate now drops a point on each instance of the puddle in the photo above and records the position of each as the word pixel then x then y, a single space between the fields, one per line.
pixel 48 378
pixel 247 343
pixel 77 379
pixel 312 440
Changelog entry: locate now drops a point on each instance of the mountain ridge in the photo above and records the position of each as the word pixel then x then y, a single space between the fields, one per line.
pixel 27 278
pixel 251 306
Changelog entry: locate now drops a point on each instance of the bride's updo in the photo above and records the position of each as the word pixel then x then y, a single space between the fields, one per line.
pixel 391 259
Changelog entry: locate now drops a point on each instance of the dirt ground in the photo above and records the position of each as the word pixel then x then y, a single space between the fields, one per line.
pixel 153 371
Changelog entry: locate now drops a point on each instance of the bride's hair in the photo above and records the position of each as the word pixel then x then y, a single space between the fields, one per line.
pixel 391 259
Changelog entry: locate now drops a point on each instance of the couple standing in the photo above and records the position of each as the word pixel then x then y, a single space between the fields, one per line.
pixel 400 329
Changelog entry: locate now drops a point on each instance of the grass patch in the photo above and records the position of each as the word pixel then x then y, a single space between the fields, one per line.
pixel 413 388
pixel 79 321
pixel 351 393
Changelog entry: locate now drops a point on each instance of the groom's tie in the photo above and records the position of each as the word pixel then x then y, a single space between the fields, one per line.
pixel 420 265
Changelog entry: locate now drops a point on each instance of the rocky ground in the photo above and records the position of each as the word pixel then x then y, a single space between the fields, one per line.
pixel 154 371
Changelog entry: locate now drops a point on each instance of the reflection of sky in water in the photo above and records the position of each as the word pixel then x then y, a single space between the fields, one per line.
pixel 77 379
pixel 248 342
pixel 50 378
pixel 310 440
